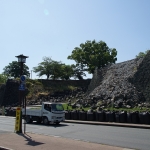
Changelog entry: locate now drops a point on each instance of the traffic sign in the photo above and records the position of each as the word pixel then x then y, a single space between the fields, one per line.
pixel 22 78
pixel 22 87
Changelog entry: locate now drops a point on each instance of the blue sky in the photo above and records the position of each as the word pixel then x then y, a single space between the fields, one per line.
pixel 53 28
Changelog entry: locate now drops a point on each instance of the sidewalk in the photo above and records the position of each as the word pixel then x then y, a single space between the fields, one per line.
pixel 14 141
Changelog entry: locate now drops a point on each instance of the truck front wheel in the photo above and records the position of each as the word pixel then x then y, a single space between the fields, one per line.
pixel 45 121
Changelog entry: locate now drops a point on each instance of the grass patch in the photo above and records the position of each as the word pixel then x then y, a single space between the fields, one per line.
pixel 67 107
pixel 139 109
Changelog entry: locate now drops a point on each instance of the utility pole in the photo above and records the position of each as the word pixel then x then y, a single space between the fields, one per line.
pixel 31 74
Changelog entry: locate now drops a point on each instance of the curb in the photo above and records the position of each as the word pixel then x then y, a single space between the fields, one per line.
pixel 5 148
pixel 142 126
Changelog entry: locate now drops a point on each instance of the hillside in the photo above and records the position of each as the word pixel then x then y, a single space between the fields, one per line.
pixel 43 90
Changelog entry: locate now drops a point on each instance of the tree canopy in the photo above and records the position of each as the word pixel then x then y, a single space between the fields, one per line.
pixel 142 54
pixel 66 72
pixel 78 73
pixel 92 54
pixel 52 69
pixel 13 70
pixel 57 70
pixel 3 78
pixel 44 68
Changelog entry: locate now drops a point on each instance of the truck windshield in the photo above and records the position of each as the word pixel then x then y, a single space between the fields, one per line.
pixel 57 107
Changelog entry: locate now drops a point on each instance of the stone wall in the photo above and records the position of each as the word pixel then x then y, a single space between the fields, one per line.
pixel 127 81
pixel 141 78
pixel 97 79
pixel 59 83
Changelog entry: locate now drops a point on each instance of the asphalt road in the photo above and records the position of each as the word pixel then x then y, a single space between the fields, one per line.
pixel 117 136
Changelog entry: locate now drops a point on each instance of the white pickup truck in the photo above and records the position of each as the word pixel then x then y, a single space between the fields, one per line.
pixel 45 113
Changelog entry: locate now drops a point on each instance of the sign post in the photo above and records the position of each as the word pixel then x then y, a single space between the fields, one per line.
pixel 18 118
pixel 22 89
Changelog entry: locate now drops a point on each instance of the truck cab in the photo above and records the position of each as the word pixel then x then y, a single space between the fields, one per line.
pixel 54 112
pixel 45 113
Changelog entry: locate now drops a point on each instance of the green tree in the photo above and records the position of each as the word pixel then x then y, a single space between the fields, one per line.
pixel 142 54
pixel 3 78
pixel 92 54
pixel 56 70
pixel 48 67
pixel 66 72
pixel 13 70
pixel 78 72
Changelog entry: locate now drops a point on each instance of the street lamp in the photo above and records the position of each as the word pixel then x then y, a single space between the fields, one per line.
pixel 21 60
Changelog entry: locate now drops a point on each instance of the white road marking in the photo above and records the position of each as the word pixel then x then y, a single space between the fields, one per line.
pixel 57 136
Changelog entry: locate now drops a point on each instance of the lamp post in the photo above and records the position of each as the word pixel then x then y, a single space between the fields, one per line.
pixel 21 60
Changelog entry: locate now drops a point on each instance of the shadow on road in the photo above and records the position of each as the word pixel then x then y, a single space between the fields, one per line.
pixel 29 140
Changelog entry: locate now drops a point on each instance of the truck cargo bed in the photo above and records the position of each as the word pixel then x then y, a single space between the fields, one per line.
pixel 32 111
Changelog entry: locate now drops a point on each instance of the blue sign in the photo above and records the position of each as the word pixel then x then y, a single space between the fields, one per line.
pixel 22 87
pixel 22 78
